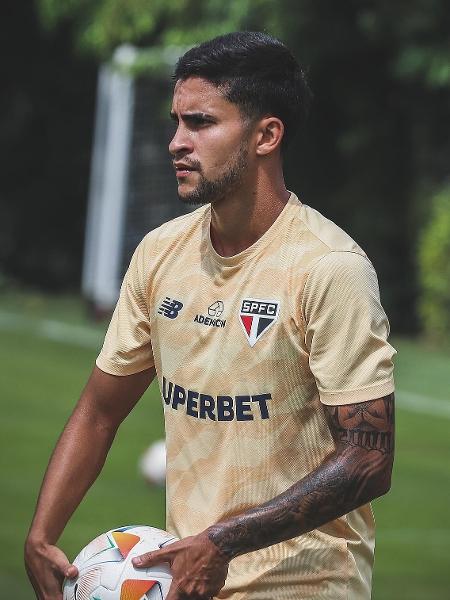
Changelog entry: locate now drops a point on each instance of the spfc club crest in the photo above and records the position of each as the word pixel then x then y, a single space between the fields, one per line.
pixel 257 316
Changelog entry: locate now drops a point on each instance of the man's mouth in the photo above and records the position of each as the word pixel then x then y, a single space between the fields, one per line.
pixel 183 174
pixel 182 170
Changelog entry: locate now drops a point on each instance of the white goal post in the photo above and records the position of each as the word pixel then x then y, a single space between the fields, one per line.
pixel 132 186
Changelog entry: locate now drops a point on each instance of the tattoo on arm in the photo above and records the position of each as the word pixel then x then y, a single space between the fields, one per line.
pixel 368 425
pixel 356 472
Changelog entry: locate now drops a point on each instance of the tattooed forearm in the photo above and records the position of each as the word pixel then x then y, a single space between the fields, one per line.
pixel 358 471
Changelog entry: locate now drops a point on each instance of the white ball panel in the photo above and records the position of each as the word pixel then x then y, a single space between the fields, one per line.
pixel 102 569
pixel 100 543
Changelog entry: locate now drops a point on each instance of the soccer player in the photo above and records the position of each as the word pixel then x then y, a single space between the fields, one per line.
pixel 262 321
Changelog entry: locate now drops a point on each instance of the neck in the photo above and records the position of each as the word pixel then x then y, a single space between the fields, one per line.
pixel 239 220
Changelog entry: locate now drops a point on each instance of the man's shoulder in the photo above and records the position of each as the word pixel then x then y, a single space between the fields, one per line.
pixel 320 236
pixel 324 234
pixel 175 230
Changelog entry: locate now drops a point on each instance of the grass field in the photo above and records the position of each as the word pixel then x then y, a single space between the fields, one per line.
pixel 47 350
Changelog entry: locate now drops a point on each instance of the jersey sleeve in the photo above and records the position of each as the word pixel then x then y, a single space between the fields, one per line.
pixel 346 330
pixel 127 347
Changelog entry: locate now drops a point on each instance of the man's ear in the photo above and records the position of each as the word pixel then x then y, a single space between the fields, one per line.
pixel 270 131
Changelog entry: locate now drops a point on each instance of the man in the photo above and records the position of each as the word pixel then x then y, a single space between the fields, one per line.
pixel 262 321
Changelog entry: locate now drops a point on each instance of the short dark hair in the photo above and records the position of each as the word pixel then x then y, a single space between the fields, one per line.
pixel 257 72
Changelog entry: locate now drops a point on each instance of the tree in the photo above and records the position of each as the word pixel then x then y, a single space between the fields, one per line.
pixel 380 72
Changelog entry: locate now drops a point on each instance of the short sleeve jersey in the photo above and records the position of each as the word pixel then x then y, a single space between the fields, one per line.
pixel 246 349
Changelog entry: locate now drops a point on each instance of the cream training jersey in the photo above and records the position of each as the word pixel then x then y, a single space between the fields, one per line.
pixel 246 349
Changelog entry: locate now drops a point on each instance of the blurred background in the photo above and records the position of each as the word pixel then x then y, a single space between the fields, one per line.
pixel 85 91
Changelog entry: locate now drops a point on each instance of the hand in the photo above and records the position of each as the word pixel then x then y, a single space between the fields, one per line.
pixel 198 567
pixel 47 566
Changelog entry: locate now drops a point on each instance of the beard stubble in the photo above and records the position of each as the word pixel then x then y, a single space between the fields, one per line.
pixel 214 190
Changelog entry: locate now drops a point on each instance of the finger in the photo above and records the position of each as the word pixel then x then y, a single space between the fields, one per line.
pixel 47 572
pixel 174 593
pixel 71 572
pixel 61 564
pixel 150 559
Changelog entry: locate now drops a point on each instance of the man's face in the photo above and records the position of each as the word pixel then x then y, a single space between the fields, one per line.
pixel 209 148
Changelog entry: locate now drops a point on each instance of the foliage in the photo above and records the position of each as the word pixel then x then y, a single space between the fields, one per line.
pixel 434 269
pixel 420 29
pixel 101 26
pixel 380 73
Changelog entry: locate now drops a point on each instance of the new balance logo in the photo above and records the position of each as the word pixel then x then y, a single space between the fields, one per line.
pixel 170 308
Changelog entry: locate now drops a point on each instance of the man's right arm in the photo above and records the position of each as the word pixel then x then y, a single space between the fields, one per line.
pixel 76 462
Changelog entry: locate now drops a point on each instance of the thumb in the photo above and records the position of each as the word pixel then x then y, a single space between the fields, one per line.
pixel 149 559
pixel 71 572
pixel 62 564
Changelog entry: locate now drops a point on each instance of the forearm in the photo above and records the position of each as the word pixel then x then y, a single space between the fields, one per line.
pixel 76 462
pixel 83 446
pixel 327 493
pixel 357 472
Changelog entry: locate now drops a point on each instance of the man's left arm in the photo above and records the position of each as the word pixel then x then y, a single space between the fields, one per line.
pixel 356 472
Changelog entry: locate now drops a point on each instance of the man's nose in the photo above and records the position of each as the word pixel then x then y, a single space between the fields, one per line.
pixel 180 143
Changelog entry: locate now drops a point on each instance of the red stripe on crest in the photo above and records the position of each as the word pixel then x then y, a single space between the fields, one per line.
pixel 247 321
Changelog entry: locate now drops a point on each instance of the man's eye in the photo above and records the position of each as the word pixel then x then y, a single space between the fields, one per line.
pixel 197 121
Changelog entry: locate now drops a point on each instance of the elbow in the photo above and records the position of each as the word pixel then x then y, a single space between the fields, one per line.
pixel 379 484
pixel 370 490
pixel 373 480
pixel 384 479
pixel 383 487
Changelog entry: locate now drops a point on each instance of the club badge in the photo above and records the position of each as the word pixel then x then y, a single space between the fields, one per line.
pixel 257 316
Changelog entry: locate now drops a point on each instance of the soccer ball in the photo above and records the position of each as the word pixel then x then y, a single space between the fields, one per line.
pixel 152 463
pixel 107 573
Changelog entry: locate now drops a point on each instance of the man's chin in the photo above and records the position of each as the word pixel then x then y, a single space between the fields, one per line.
pixel 191 197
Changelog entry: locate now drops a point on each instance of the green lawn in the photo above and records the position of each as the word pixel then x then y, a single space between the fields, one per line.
pixel 44 366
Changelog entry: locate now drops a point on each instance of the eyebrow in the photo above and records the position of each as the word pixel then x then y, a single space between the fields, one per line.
pixel 192 115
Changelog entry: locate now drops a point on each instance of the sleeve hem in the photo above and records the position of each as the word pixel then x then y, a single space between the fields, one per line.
pixel 360 395
pixel 112 368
